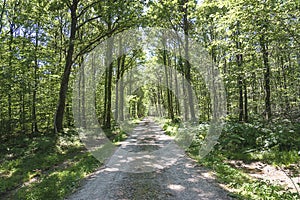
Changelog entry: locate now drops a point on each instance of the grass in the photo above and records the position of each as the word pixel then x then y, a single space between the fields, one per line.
pixel 43 166
pixel 60 182
pixel 47 166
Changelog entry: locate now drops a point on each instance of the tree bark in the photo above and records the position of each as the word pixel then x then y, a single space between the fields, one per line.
pixel 11 31
pixel 187 64
pixel 267 74
pixel 83 113
pixel 118 80
pixel 169 103
pixel 109 64
pixel 241 103
pixel 240 81
pixel 34 119
pixel 245 102
pixel 59 115
pixel 1 15
pixel 122 88
pixel 176 90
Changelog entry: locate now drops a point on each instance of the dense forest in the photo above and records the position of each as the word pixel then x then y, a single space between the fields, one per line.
pixel 48 59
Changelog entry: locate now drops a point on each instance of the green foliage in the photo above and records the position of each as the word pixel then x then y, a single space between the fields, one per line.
pixel 233 145
pixel 280 135
pixel 170 127
pixel 61 182
pixel 43 166
pixel 276 157
pixel 115 134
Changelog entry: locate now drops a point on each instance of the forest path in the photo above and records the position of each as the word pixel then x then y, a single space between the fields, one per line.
pixel 149 165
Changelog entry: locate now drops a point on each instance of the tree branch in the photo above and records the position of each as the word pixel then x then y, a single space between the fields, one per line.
pixel 86 21
pixel 86 8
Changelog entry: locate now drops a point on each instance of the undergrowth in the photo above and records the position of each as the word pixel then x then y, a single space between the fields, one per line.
pixel 272 143
pixel 43 166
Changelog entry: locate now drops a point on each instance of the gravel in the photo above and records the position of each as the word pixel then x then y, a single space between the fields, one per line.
pixel 149 165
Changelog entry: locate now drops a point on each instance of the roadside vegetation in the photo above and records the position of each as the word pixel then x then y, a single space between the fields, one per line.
pixel 273 143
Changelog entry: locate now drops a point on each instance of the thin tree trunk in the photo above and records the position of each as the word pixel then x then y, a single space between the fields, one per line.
pixel 10 73
pixel 239 59
pixel 184 95
pixel 118 79
pixel 176 90
pixel 130 90
pixel 109 64
pixel 34 118
pixel 159 100
pixel 266 77
pixel 59 115
pixel 1 15
pixel 80 97
pixel 83 112
pixel 169 104
pixel 254 88
pixel 105 96
pixel 241 103
pixel 171 89
pixel 122 88
pixel 246 102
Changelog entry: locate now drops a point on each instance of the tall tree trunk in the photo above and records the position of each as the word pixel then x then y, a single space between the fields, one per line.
pixel 171 88
pixel 176 90
pixel 130 92
pixel 185 98
pixel 246 102
pixel 117 96
pixel 59 115
pixel 34 118
pixel 187 63
pixel 83 111
pixel 11 31
pixel 80 97
pixel 1 15
pixel 122 88
pixel 109 65
pixel 254 88
pixel 105 96
pixel 184 94
pixel 159 100
pixel 267 74
pixel 118 79
pixel 169 103
pixel 239 60
pixel 241 103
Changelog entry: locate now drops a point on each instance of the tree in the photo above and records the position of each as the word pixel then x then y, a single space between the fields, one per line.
pixel 80 14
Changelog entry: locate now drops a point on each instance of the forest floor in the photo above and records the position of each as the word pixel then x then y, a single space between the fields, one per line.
pixel 287 177
pixel 149 165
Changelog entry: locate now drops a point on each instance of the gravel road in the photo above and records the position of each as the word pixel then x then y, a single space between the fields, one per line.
pixel 149 165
